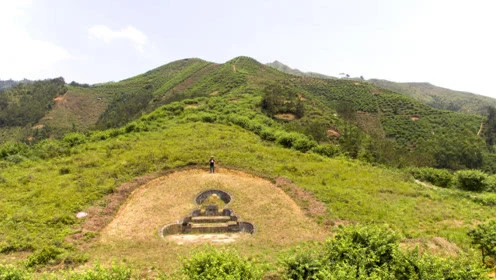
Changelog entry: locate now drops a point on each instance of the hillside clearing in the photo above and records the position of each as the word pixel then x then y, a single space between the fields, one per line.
pixel 279 221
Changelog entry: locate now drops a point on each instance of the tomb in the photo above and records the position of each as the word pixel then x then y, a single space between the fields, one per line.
pixel 211 216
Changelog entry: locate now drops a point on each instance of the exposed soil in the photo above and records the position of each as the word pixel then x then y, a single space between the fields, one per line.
pixel 332 132
pixel 38 126
pixel 168 199
pixel 221 238
pixel 437 245
pixel 287 116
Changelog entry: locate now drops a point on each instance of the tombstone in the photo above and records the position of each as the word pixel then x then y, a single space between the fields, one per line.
pixel 211 210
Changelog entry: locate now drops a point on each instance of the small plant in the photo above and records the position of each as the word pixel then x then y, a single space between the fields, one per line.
pixel 43 256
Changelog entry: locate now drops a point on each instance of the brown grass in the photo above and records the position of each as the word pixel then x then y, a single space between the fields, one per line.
pixel 279 221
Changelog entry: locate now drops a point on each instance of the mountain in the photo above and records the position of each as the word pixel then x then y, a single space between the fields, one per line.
pixel 107 166
pixel 286 69
pixel 434 96
pixel 441 98
pixel 358 118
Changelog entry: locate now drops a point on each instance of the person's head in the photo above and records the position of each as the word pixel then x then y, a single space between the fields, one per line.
pixel 211 157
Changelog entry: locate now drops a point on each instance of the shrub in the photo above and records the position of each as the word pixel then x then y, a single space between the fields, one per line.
pixel 437 177
pixel 302 265
pixel 50 148
pixel 43 256
pixel 326 150
pixel 116 272
pixel 484 236
pixel 471 180
pixel 268 134
pixel 304 144
pixel 10 272
pixel 213 264
pixel 365 248
pixel 286 139
pixel 491 183
pixel 74 139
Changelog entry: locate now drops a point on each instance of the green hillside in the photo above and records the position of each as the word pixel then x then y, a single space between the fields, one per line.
pixel 337 144
pixel 441 98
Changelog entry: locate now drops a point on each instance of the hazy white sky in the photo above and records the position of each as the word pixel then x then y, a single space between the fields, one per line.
pixel 449 43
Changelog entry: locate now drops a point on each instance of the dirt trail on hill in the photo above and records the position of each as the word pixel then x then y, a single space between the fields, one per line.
pixel 277 218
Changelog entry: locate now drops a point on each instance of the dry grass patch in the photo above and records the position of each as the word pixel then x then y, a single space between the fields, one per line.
pixel 287 116
pixel 133 234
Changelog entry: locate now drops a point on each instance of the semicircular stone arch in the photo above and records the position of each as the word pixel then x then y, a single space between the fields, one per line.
pixel 224 196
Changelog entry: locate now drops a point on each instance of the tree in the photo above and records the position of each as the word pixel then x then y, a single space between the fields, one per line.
pixel 484 236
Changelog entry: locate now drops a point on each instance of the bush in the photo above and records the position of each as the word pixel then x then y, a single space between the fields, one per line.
pixel 326 150
pixel 43 256
pixel 213 264
pixel 286 139
pixel 50 148
pixel 437 177
pixel 303 144
pixel 484 236
pixel 471 180
pixel 116 272
pixel 74 139
pixel 12 273
pixel 302 265
pixel 365 248
pixel 268 134
pixel 491 183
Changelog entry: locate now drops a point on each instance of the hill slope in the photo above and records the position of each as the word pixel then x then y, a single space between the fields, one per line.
pixel 233 111
pixel 441 98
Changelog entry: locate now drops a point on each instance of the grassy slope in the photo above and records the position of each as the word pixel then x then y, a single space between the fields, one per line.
pixel 39 204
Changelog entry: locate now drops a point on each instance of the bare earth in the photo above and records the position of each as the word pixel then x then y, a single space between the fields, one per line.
pixel 133 234
pixel 170 198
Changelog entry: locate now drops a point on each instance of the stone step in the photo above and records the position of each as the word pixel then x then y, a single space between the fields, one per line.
pixel 214 227
pixel 210 219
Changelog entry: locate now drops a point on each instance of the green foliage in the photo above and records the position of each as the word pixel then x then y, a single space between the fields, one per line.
pixel 43 256
pixel 10 272
pixel 303 265
pixel 438 177
pixel 491 183
pixel 326 150
pixel 26 104
pixel 98 272
pixel 74 139
pixel 279 99
pixel 214 264
pixel 364 248
pixel 471 180
pixel 372 252
pixel 484 236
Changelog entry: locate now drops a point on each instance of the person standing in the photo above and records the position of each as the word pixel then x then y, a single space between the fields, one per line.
pixel 212 164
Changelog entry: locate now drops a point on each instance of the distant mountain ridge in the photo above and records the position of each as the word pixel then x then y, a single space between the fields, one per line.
pixel 441 98
pixel 6 84
pixel 293 71
pixel 434 96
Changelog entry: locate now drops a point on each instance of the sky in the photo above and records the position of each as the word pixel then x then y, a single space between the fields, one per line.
pixel 448 43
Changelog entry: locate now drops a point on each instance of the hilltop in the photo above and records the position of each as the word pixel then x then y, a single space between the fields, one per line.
pixel 434 96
